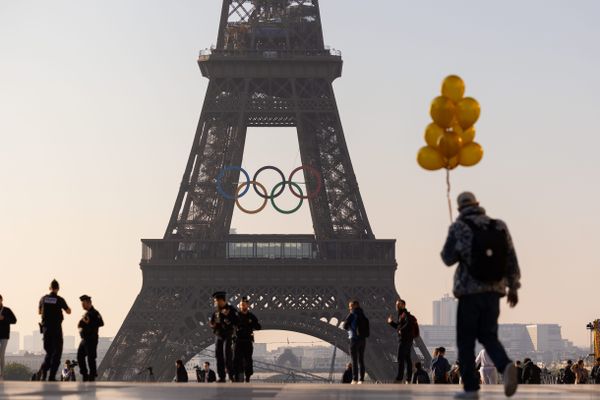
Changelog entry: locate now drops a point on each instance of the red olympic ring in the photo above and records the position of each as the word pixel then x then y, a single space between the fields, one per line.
pixel 314 173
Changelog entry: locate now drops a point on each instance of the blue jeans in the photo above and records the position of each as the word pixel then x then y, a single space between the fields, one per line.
pixel 477 319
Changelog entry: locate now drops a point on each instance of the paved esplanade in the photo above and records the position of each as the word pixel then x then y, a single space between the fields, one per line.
pixel 106 390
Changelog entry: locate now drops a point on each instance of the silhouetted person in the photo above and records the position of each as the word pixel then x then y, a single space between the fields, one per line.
pixel 88 331
pixel 51 309
pixel 420 376
pixel 440 367
pixel 519 371
pixel 206 375
pixel 568 374
pixel 7 318
pixel 407 328
pixel 487 267
pixel 532 374
pixel 595 375
pixel 247 323
pixel 347 377
pixel 357 325
pixel 581 373
pixel 223 322
pixel 181 374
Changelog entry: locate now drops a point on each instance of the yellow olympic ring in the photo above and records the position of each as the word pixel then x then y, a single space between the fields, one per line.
pixel 265 198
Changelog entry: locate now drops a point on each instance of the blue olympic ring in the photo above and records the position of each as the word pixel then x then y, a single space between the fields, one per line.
pixel 220 182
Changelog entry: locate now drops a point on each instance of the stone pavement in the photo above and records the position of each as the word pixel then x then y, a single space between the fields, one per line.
pixel 195 391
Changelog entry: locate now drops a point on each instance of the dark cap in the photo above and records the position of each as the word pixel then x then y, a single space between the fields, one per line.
pixel 54 284
pixel 219 295
pixel 85 297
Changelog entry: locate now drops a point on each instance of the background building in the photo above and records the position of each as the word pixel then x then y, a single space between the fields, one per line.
pixel 444 311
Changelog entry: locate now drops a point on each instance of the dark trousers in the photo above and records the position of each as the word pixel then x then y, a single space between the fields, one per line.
pixel 87 352
pixel 477 319
pixel 357 352
pixel 53 346
pixel 242 359
pixel 224 355
pixel 405 359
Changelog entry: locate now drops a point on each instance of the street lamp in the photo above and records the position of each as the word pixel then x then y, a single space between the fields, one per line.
pixel 590 326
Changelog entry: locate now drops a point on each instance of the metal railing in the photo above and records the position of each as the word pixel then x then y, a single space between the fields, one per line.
pixel 269 53
pixel 267 248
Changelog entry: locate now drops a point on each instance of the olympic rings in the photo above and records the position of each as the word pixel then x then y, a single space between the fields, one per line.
pixel 317 176
pixel 272 196
pixel 242 188
pixel 220 182
pixel 255 184
pixel 282 184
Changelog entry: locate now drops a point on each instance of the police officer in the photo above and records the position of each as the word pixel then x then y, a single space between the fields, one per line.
pixel 50 308
pixel 223 323
pixel 246 325
pixel 88 330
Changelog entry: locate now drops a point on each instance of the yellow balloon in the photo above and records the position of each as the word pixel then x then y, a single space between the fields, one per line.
pixel 430 159
pixel 467 135
pixel 433 133
pixel 467 112
pixel 453 88
pixel 442 111
pixel 471 154
pixel 452 163
pixel 450 144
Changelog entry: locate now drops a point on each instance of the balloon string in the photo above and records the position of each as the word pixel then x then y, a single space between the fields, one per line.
pixel 448 187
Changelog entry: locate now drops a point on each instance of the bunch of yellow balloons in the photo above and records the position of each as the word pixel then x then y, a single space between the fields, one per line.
pixel 450 136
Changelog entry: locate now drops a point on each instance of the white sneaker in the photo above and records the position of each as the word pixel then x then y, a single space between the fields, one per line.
pixel 360 383
pixel 467 395
pixel 353 382
pixel 510 379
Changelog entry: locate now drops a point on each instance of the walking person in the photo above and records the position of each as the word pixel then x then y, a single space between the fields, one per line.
pixel 440 367
pixel 88 331
pixel 357 325
pixel 581 373
pixel 223 322
pixel 205 375
pixel 247 323
pixel 489 375
pixel 487 269
pixel 7 318
pixel 51 309
pixel 408 329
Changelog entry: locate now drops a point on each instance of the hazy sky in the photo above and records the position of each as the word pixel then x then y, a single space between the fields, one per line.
pixel 99 103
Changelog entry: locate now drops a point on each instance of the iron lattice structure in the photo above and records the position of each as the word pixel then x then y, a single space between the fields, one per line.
pixel 270 68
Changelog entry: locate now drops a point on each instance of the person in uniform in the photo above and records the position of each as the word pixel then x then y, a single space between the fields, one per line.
pixel 51 308
pixel 223 322
pixel 247 323
pixel 88 330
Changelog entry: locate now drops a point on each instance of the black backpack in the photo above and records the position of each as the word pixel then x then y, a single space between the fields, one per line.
pixel 489 252
pixel 362 327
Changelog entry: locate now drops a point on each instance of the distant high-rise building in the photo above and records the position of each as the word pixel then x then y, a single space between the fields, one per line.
pixel 546 337
pixel 444 311
pixel 14 344
pixel 33 343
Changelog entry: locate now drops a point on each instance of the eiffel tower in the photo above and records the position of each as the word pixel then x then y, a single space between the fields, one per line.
pixel 270 68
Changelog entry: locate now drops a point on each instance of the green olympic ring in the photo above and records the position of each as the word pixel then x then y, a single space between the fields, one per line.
pixel 283 183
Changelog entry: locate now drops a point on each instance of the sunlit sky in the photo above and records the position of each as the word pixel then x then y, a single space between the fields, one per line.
pixel 99 103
